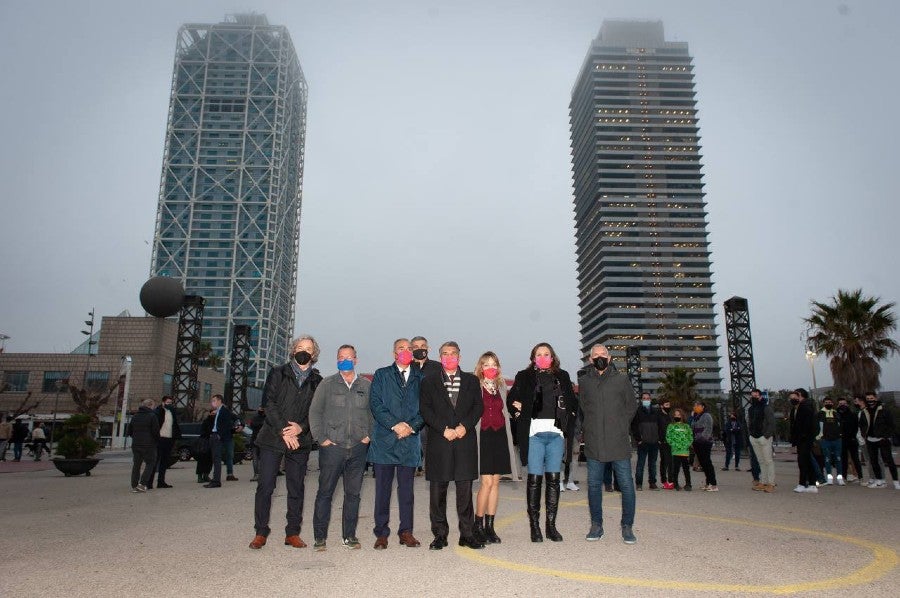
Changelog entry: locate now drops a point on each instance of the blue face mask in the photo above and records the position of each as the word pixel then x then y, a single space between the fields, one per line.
pixel 345 365
pixel 646 404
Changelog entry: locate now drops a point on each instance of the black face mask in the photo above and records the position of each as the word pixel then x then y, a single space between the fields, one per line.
pixel 601 363
pixel 871 404
pixel 843 408
pixel 829 405
pixel 302 357
pixel 420 354
pixel 678 419
pixel 795 401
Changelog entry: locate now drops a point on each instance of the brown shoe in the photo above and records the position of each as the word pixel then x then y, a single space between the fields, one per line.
pixel 759 486
pixel 769 488
pixel 294 541
pixel 381 543
pixel 408 540
pixel 258 542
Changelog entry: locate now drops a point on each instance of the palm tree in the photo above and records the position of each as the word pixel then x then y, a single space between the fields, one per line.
pixel 854 332
pixel 679 386
pixel 207 357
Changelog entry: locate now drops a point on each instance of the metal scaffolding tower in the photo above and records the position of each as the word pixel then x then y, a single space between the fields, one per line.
pixel 184 375
pixel 740 352
pixel 633 364
pixel 239 369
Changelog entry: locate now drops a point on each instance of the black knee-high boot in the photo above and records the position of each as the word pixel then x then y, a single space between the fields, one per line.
pixel 552 505
pixel 533 498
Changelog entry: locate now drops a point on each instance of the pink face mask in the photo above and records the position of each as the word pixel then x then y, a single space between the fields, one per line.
pixel 404 357
pixel 449 362
pixel 490 373
pixel 543 361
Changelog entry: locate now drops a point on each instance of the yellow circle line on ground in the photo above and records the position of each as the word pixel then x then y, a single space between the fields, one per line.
pixel 885 559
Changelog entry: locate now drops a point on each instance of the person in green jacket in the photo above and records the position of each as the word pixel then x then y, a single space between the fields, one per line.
pixel 680 437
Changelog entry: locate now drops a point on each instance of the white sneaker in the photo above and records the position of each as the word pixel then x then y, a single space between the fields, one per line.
pixel 572 486
pixel 840 480
pixel 562 487
pixel 812 490
pixel 851 479
pixel 876 484
pixel 800 488
pixel 896 484
pixel 870 482
pixel 829 480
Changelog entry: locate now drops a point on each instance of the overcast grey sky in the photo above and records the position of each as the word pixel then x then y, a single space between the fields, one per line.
pixel 438 188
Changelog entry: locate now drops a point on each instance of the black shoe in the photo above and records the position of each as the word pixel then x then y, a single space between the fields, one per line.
pixel 213 484
pixel 687 487
pixel 533 498
pixel 471 543
pixel 163 485
pixel 489 532
pixel 438 543
pixel 478 530
pixel 551 499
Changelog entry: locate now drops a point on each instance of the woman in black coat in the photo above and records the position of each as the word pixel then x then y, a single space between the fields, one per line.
pixel 542 401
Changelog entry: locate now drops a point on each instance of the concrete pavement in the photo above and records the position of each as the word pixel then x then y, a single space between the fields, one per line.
pixel 90 536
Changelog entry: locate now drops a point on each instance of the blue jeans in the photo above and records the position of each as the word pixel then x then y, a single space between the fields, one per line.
pixel 338 462
pixel 831 452
pixel 622 469
pixel 646 452
pixel 545 453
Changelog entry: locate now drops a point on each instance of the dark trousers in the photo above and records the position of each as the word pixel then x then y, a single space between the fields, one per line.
pixel 850 448
pixel 704 455
pixel 665 462
pixel 384 485
pixel 437 508
pixel 680 461
pixel 733 448
pixel 755 470
pixel 294 478
pixel 163 452
pixel 228 454
pixel 883 447
pixel 337 462
pixel 215 448
pixel 646 452
pixel 804 463
pixel 145 455
pixel 17 450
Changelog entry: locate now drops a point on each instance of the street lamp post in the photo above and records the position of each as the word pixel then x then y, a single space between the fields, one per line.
pixel 811 358
pixel 59 385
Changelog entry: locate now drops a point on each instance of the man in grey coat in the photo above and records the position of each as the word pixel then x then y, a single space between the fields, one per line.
pixel 144 432
pixel 341 421
pixel 608 403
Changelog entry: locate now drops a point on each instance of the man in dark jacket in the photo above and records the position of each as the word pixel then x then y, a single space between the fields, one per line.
pixel 169 432
pixel 877 427
pixel 804 429
pixel 144 432
pixel 287 395
pixel 607 400
pixel 19 434
pixel 849 445
pixel 665 451
pixel 732 437
pixel 451 406
pixel 761 427
pixel 419 346
pixel 222 434
pixel 645 430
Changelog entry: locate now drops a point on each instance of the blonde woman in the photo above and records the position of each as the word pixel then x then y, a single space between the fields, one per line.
pixel 494 458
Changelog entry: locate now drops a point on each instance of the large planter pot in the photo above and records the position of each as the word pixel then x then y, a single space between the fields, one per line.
pixel 71 467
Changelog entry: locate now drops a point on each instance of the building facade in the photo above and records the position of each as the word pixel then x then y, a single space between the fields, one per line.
pixel 640 216
pixel 228 220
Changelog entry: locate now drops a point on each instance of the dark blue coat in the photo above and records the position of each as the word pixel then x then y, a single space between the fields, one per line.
pixel 392 403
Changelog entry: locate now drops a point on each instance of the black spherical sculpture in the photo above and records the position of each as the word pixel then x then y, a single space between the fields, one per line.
pixel 162 296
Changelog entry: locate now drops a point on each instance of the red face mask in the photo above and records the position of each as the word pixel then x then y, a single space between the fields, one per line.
pixel 404 357
pixel 490 373
pixel 543 361
pixel 449 362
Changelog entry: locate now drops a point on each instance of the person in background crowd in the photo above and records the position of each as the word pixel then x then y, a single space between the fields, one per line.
pixel 223 428
pixel 169 432
pixel 542 400
pixel 419 346
pixel 830 441
pixel 862 414
pixel 680 438
pixel 702 427
pixel 877 427
pixel 144 432
pixel 761 426
pixel 645 429
pixel 39 441
pixel 572 433
pixel 6 434
pixel 203 452
pixel 493 443
pixel 665 450
pixel 732 437
pixel 849 447
pixel 803 433
pixel 19 435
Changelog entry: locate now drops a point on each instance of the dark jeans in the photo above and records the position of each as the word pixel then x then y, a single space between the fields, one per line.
pixel 17 451
pixel 336 462
pixel 685 465
pixel 665 462
pixel 145 455
pixel 883 447
pixel 646 452
pixel 850 450
pixel 733 449
pixel 384 482
pixel 228 450
pixel 831 454
pixel 804 463
pixel 755 470
pixel 596 475
pixel 704 455
pixel 294 479
pixel 215 448
pixel 437 508
pixel 163 452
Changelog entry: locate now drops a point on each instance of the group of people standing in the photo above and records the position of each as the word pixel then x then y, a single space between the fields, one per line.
pixel 459 419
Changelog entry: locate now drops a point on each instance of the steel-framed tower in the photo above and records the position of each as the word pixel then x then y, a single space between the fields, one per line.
pixel 640 216
pixel 228 219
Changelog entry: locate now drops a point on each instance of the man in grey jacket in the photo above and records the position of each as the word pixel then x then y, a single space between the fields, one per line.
pixel 607 401
pixel 341 421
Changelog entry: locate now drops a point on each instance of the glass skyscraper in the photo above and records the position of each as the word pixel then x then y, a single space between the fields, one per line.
pixel 640 215
pixel 228 219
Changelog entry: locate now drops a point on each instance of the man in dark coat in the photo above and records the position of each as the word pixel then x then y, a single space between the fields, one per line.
pixel 419 346
pixel 169 432
pixel 804 428
pixel 222 433
pixel 144 432
pixel 285 434
pixel 451 406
